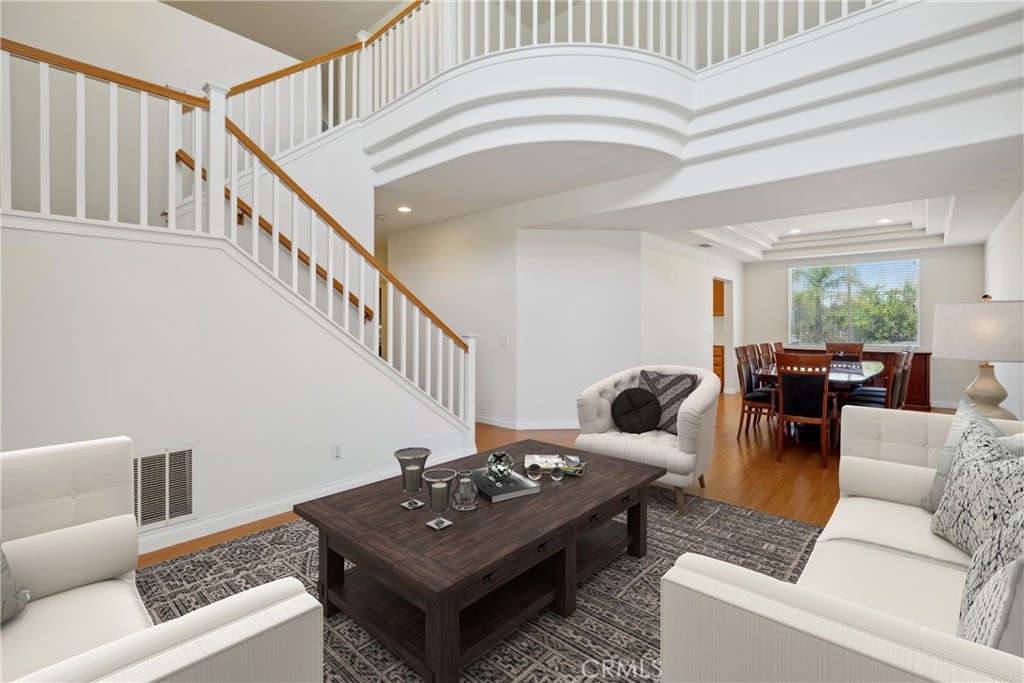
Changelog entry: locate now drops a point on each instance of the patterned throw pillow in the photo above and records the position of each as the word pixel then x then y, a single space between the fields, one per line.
pixel 964 414
pixel 1001 548
pixel 13 599
pixel 986 487
pixel 636 411
pixel 671 391
pixel 997 615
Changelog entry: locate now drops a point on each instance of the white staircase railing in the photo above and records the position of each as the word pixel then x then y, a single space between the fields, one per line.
pixel 429 37
pixel 142 156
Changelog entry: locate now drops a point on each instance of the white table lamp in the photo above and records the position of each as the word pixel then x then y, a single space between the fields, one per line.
pixel 987 331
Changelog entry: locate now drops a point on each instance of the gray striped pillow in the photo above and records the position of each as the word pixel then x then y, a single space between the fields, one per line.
pixel 671 391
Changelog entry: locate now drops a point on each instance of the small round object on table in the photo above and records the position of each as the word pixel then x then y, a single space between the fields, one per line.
pixel 499 466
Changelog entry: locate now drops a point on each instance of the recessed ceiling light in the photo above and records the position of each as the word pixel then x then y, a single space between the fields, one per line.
pixel 404 209
pixel 884 221
pixel 795 231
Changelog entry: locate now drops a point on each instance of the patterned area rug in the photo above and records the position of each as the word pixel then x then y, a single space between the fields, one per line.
pixel 618 609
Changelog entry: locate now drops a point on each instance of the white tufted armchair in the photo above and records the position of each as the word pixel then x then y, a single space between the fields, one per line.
pixel 685 456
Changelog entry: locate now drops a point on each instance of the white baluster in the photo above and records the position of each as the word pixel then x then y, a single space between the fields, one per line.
pixel 650 26
pixel 536 12
pixel 415 20
pixel 233 183
pixel 636 23
pixel 255 181
pixel 586 21
pixel 821 12
pixel 845 8
pixel 376 75
pixel 458 31
pixel 760 23
pixel 305 104
pixel 343 90
pixel 389 339
pixel 5 124
pixel 402 335
pixel 318 96
pixel 604 22
pixel 80 148
pixel 346 282
pixel 472 29
pixel 415 346
pixel 295 242
pixel 392 64
pixel 780 32
pixel 743 27
pixel 330 275
pixel 375 325
pixel 676 48
pixel 501 24
pixel 197 177
pixel 568 35
pixel 361 319
pixel 173 131
pixel 663 24
pixel 800 6
pixel 428 357
pixel 688 34
pixel 246 128
pixel 726 42
pixel 519 21
pixel 313 220
pixel 451 375
pixel 44 141
pixel 143 158
pixel 551 21
pixel 622 22
pixel 291 111
pixel 487 27
pixel 407 70
pixel 275 227
pixel 330 94
pixel 468 408
pixel 708 34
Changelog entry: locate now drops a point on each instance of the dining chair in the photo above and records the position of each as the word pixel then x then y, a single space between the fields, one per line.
pixel 756 402
pixel 767 353
pixel 881 397
pixel 845 350
pixel 754 355
pixel 804 397
pixel 777 348
pixel 901 399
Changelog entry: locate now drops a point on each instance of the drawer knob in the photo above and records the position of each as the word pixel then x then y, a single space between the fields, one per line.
pixel 625 499
pixel 593 518
pixel 542 547
pixel 489 578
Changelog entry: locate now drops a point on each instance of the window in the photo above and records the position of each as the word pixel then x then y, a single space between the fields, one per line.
pixel 874 303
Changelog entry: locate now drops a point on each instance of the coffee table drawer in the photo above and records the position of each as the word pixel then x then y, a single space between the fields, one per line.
pixel 486 581
pixel 606 511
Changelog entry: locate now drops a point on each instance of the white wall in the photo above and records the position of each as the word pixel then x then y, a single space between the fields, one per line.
pixel 466 273
pixel 578 312
pixel 1004 280
pixel 678 325
pixel 946 274
pixel 182 340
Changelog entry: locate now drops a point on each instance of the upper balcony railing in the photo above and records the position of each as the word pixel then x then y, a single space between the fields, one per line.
pixel 429 37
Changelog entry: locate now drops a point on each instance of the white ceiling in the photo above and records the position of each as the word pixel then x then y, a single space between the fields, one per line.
pixel 298 28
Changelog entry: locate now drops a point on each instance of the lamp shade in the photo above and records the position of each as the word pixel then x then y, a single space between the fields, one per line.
pixel 984 331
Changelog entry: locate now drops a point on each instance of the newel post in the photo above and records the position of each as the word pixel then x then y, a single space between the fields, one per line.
pixel 364 69
pixel 216 177
pixel 469 382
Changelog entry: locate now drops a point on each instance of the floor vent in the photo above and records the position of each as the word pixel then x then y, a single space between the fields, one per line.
pixel 163 487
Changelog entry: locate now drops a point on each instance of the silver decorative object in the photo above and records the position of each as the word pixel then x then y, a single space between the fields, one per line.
pixel 412 461
pixel 499 466
pixel 466 492
pixel 439 488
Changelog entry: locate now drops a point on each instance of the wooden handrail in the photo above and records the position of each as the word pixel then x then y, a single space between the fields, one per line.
pixel 398 17
pixel 329 220
pixel 267 227
pixel 326 57
pixel 60 62
pixel 294 68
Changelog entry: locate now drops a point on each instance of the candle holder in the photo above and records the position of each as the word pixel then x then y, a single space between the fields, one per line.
pixel 412 461
pixel 439 488
pixel 466 492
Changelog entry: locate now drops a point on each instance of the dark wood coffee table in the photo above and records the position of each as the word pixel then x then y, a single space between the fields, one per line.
pixel 441 599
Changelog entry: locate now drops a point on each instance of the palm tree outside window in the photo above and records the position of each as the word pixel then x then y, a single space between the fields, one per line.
pixel 873 303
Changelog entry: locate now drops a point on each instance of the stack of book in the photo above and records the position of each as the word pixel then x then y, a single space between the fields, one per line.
pixel 515 486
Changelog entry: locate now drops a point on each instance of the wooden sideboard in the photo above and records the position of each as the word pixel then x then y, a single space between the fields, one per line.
pixel 919 393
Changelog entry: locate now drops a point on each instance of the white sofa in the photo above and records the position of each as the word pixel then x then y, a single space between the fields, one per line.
pixel 685 456
pixel 70 538
pixel 879 599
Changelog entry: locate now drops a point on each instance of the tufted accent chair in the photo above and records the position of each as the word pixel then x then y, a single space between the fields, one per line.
pixel 685 456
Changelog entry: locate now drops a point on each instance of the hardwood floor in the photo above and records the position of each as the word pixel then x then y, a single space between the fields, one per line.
pixel 742 472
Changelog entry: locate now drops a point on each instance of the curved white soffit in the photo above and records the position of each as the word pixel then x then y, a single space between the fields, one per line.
pixel 566 93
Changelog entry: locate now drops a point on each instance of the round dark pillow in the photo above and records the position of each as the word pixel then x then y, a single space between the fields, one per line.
pixel 636 411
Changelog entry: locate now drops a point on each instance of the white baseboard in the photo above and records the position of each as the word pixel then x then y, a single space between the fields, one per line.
pixel 204 526
pixel 731 389
pixel 526 424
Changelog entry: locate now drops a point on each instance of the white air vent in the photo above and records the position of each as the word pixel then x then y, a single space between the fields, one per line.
pixel 163 487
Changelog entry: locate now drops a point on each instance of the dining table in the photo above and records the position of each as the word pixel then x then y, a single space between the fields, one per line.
pixel 843 374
